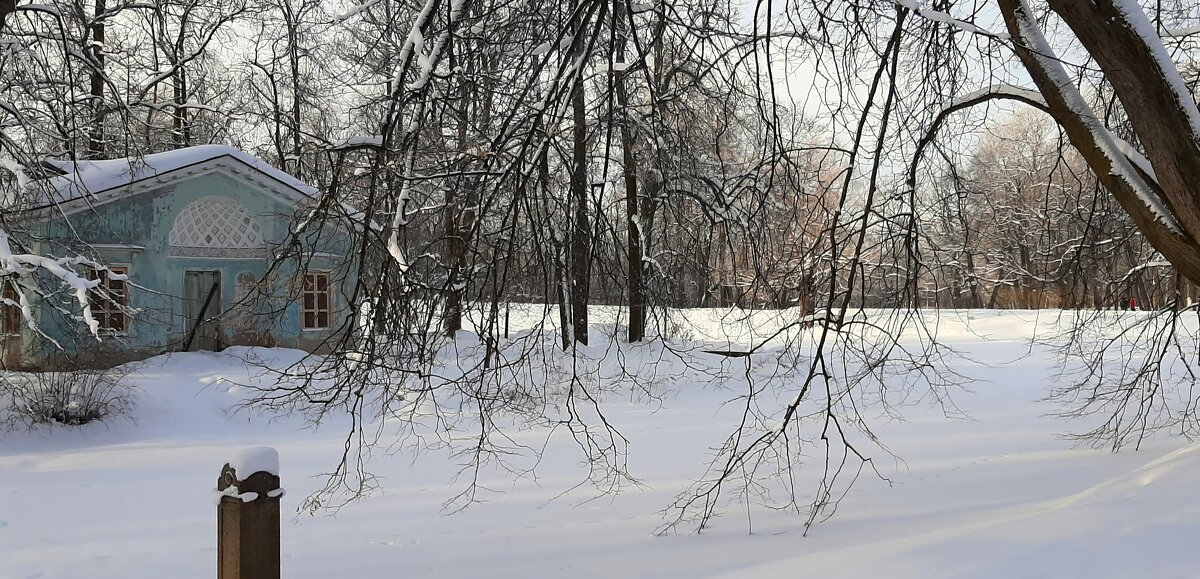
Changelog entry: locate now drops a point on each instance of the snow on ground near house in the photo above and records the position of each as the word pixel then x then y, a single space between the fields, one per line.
pixel 999 495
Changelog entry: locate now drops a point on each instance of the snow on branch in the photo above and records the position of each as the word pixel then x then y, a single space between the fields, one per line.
pixel 1001 91
pixel 358 142
pixel 1135 156
pixel 945 18
pixel 355 11
pixel 1143 267
pixel 1035 99
pixel 12 165
pixel 24 264
pixel 1104 141
pixel 46 8
pixel 413 49
pixel 1027 96
pixel 1181 32
pixel 1141 25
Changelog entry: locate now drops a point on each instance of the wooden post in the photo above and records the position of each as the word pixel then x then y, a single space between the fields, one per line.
pixel 248 519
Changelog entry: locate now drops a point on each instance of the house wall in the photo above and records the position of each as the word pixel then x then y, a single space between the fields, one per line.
pixel 261 305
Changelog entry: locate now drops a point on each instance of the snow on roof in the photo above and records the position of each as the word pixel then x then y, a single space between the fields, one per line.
pixel 84 178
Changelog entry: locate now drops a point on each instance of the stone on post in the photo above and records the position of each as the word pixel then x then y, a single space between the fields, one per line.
pixel 248 516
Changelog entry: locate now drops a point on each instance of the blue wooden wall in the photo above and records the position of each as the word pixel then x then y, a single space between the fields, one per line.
pixel 134 232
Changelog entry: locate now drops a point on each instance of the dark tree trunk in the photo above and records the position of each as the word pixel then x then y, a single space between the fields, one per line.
pixel 580 258
pixel 6 7
pixel 454 251
pixel 633 220
pixel 454 248
pixel 1028 295
pixel 294 61
pixel 96 51
pixel 182 134
pixel 973 281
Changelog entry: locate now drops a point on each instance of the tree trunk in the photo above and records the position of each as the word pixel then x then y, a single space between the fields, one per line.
pixel 973 281
pixel 557 252
pixel 6 7
pixel 294 62
pixel 96 51
pixel 454 248
pixel 633 223
pixel 182 134
pixel 580 258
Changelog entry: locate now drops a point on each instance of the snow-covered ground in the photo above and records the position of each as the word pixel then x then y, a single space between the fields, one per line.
pixel 997 495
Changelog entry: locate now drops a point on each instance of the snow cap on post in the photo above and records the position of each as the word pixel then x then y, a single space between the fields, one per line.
pixel 255 459
pixel 248 515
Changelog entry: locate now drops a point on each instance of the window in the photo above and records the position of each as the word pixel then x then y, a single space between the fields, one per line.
pixel 314 312
pixel 10 315
pixel 109 299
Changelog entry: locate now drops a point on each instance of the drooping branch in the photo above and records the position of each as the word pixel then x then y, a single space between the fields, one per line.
pixel 999 92
pixel 1026 96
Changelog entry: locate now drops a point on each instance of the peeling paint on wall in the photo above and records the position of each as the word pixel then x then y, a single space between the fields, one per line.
pixel 134 232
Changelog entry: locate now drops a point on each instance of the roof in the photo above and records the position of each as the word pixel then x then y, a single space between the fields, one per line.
pixel 109 180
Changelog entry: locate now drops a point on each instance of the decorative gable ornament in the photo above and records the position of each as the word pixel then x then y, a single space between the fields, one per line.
pixel 216 227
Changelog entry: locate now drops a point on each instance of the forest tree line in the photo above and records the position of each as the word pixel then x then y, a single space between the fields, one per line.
pixel 570 153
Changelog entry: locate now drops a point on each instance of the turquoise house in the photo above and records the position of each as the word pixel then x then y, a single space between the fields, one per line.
pixel 195 249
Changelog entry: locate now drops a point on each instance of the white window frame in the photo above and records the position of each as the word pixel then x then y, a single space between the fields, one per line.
pixel 316 309
pixel 105 314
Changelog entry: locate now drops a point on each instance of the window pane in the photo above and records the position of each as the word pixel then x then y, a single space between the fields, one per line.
pixel 310 319
pixel 323 301
pixel 309 301
pixel 323 320
pixel 322 281
pixel 119 290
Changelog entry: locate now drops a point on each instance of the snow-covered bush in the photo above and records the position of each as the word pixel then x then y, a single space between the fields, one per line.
pixel 73 397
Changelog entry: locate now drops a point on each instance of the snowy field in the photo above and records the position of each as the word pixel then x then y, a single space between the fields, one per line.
pixel 999 494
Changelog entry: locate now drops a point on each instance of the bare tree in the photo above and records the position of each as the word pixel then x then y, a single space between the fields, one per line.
pixel 647 155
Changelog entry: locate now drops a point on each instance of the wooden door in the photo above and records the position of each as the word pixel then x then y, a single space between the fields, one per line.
pixel 203 325
pixel 11 322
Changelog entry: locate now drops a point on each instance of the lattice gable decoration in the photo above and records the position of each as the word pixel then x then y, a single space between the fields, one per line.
pixel 216 227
